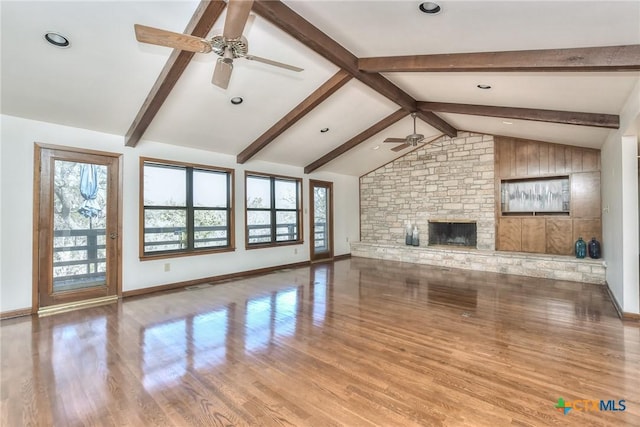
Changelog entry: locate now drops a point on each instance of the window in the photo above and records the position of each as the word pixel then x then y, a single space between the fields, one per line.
pixel 273 210
pixel 187 209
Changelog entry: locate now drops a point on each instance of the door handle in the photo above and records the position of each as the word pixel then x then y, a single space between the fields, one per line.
pixel 113 235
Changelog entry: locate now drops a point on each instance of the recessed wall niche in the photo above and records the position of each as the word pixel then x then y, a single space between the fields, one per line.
pixel 551 196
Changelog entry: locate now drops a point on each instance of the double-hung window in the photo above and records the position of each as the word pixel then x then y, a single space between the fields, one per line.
pixel 186 209
pixel 273 210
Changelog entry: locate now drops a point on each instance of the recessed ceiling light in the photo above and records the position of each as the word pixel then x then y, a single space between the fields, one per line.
pixel 430 7
pixel 483 86
pixel 236 100
pixel 507 123
pixel 376 147
pixel 324 130
pixel 57 39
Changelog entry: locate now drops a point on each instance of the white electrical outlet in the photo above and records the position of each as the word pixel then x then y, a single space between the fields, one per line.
pixel 167 266
pixel 295 251
pixel 347 239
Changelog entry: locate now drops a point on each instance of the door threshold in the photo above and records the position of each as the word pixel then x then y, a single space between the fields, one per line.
pixel 76 305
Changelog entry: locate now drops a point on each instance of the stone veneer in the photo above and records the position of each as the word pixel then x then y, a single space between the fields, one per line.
pixel 448 179
pixel 522 264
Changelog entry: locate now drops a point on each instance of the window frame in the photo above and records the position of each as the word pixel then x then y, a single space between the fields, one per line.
pixel 273 211
pixel 190 209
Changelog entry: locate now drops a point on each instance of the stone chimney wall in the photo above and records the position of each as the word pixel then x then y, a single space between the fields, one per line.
pixel 449 179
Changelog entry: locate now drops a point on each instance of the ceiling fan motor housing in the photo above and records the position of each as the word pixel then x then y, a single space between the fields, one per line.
pixel 237 47
pixel 414 138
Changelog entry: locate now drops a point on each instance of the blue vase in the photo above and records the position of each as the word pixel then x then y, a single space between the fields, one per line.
pixel 581 248
pixel 594 248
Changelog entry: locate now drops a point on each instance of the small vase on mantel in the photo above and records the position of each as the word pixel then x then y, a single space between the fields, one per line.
pixel 581 248
pixel 594 248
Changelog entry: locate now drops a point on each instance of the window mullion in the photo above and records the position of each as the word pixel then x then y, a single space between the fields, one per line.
pixel 274 237
pixel 190 210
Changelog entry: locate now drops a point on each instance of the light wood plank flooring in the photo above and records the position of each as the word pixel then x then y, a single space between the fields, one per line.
pixel 356 343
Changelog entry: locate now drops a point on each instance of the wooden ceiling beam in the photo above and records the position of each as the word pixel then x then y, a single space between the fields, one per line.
pixel 434 121
pixel 356 140
pixel 293 24
pixel 609 121
pixel 312 101
pixel 604 58
pixel 206 14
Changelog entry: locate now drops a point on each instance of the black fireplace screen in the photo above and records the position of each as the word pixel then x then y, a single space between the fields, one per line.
pixel 453 234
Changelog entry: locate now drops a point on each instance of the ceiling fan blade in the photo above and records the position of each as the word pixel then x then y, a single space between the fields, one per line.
pixel 274 63
pixel 222 73
pixel 237 15
pixel 166 38
pixel 403 140
pixel 401 147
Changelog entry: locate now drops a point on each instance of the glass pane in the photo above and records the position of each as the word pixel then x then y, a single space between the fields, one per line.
pixel 210 228
pixel 286 195
pixel 259 226
pixel 209 189
pixel 79 221
pixel 164 185
pixel 320 217
pixel 258 192
pixel 165 229
pixel 286 226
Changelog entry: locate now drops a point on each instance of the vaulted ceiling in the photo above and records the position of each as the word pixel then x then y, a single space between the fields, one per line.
pixel 558 71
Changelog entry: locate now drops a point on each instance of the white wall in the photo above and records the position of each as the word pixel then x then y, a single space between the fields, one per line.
pixel 16 198
pixel 620 208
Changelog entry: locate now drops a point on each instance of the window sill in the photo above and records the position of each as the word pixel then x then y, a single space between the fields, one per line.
pixel 272 245
pixel 165 255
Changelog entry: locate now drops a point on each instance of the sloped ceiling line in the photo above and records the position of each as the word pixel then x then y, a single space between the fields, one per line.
pixel 589 59
pixel 609 121
pixel 356 140
pixel 312 101
pixel 206 14
pixel 293 24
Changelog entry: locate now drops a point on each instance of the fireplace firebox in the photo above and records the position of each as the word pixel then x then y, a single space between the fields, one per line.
pixel 463 234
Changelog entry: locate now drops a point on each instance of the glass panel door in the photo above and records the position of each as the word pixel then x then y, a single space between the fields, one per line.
pixel 321 220
pixel 78 226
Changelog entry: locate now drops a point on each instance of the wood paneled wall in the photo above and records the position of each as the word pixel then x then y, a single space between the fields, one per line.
pixel 521 159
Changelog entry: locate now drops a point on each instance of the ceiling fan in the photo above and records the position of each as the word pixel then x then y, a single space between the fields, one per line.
pixel 408 141
pixel 228 46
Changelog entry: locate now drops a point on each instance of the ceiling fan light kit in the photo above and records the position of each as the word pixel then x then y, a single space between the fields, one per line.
pixel 228 46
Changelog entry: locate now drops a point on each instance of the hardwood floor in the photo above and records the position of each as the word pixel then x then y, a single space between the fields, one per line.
pixel 358 343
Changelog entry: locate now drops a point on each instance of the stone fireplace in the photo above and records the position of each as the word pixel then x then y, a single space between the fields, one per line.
pixel 462 234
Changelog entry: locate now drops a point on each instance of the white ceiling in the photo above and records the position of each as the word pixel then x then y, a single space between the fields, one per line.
pixel 103 79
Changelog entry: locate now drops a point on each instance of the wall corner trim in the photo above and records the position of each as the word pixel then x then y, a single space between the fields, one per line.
pixel 614 301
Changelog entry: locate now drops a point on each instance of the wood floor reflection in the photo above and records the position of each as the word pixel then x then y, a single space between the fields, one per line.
pixel 356 343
